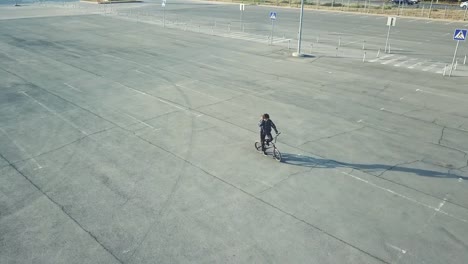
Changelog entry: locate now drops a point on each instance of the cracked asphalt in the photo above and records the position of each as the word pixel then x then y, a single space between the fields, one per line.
pixel 125 142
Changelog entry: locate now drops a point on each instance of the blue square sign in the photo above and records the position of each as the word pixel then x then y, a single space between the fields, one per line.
pixel 460 34
pixel 273 15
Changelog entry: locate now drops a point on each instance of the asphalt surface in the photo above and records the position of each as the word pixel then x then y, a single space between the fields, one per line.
pixel 126 142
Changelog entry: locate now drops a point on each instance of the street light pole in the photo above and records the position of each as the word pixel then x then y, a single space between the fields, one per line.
pixel 298 53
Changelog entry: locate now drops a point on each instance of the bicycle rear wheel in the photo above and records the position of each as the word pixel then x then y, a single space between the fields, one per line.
pixel 277 155
pixel 258 146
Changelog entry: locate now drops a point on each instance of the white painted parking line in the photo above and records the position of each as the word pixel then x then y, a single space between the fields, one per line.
pixel 140 72
pixel 18 146
pixel 55 113
pixel 392 60
pixel 436 209
pixel 72 87
pixel 141 122
pixel 428 22
pixel 381 58
pixel 449 23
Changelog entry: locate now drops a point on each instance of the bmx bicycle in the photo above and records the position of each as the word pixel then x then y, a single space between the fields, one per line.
pixel 271 145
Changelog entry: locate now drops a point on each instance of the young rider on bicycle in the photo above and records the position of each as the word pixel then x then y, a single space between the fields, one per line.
pixel 266 124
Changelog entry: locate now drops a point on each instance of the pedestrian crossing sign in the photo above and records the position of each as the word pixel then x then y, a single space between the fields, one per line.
pixel 273 15
pixel 460 34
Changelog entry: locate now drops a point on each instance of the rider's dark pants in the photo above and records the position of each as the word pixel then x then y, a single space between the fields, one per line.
pixel 262 138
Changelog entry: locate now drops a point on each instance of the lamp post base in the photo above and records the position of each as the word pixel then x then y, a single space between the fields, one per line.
pixel 299 55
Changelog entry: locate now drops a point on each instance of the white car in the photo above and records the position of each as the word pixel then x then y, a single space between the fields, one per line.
pixel 464 4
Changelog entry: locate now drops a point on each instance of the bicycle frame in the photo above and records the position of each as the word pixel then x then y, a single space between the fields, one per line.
pixel 273 140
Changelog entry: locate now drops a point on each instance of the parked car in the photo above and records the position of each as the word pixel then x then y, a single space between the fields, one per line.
pixel 464 4
pixel 403 2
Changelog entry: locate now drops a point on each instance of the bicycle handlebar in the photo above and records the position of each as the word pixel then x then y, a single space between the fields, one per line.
pixel 276 136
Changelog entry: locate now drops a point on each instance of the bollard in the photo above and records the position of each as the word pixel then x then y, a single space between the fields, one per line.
pixel 364 45
pixel 311 45
pixel 364 57
pixel 464 60
pixel 212 30
pixel 456 64
pixel 378 53
pixel 317 39
pixel 445 13
pixel 445 70
pixel 389 50
pixel 289 44
pixel 336 54
pixel 339 42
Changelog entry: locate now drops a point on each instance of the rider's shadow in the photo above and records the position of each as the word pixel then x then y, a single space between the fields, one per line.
pixel 306 161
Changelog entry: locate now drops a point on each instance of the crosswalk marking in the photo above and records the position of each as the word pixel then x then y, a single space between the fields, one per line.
pixel 248 37
pixel 381 58
pixel 411 63
pixel 393 60
pixel 404 62
pixel 416 65
pixel 432 66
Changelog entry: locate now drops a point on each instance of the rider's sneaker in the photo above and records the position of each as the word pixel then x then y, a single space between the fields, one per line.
pixel 264 153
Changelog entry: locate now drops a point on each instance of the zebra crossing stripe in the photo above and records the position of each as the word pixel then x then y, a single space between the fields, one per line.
pixel 415 65
pixel 432 66
pixel 248 37
pixel 381 58
pixel 404 62
pixel 393 60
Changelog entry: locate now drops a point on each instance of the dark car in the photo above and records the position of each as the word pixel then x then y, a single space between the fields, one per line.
pixel 407 2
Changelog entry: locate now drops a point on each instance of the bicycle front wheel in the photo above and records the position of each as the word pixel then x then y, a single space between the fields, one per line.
pixel 277 155
pixel 258 146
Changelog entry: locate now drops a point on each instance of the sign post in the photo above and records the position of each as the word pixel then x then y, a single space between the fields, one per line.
pixel 460 34
pixel 241 8
pixel 163 4
pixel 273 18
pixel 430 9
pixel 390 23
pixel 464 14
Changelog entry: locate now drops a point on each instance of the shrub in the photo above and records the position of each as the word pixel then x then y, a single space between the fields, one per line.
pixel 330 4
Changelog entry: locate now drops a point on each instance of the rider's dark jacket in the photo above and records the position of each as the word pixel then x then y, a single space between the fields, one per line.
pixel 266 126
